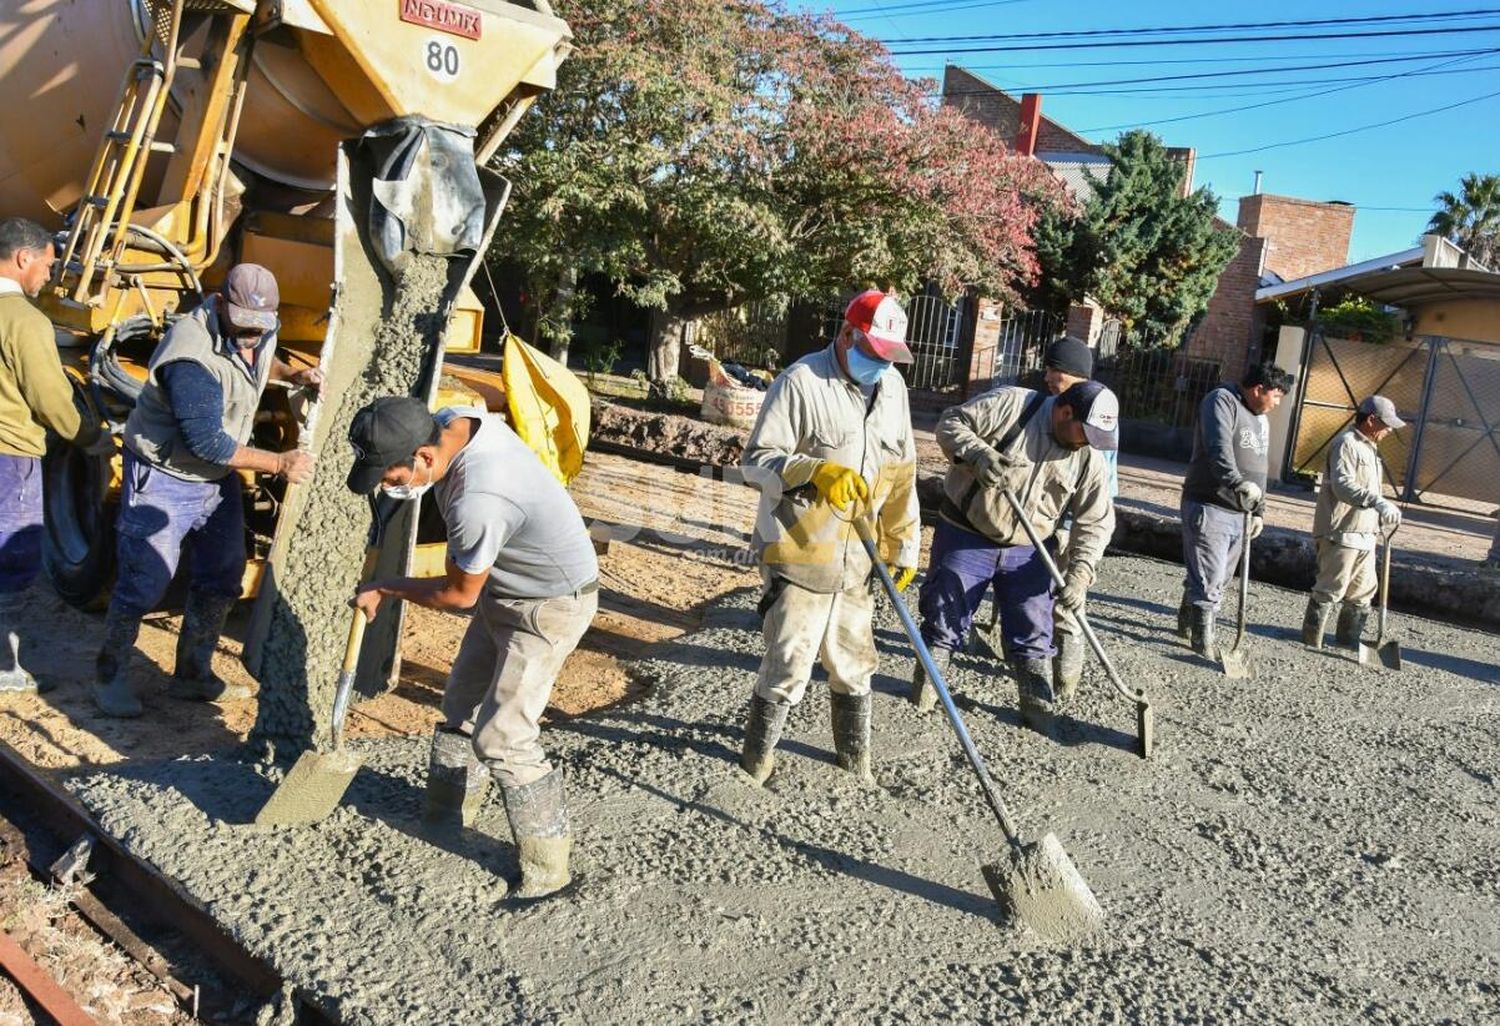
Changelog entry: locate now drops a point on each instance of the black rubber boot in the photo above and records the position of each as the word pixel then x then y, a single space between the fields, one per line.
pixel 456 781
pixel 1315 622
pixel 1201 628
pixel 1067 667
pixel 762 731
pixel 1351 626
pixel 923 695
pixel 193 677
pixel 538 815
pixel 112 693
pixel 851 733
pixel 1034 688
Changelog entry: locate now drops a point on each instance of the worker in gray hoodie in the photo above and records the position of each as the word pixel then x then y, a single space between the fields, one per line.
pixel 1226 479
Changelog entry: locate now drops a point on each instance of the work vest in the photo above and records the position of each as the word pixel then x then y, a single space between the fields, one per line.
pixel 152 432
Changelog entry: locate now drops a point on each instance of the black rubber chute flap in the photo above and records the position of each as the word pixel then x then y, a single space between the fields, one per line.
pixel 426 196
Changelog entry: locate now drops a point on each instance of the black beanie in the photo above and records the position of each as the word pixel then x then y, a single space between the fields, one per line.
pixel 1071 357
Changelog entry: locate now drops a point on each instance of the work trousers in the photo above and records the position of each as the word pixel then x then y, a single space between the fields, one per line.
pixel 802 626
pixel 160 515
pixel 963 566
pixel 1211 540
pixel 1344 574
pixel 20 522
pixel 503 675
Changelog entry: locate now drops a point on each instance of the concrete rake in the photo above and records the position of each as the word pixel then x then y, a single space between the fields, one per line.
pixel 1036 884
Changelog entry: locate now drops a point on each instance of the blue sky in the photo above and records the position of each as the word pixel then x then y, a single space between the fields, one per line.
pixel 1390 173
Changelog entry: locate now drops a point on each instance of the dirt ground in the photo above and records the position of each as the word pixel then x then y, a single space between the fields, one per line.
pixel 676 543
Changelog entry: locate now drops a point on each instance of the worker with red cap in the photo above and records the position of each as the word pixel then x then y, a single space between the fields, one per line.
pixel 833 441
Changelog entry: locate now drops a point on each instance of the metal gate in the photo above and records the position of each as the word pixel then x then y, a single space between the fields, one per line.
pixel 1024 337
pixel 1447 390
pixel 934 334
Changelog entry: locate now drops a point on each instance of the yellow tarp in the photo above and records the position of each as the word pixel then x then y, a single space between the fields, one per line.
pixel 549 407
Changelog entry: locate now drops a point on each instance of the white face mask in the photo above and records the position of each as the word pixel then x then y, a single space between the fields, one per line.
pixel 402 492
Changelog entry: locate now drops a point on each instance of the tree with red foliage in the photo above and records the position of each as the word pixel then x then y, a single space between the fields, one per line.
pixel 705 155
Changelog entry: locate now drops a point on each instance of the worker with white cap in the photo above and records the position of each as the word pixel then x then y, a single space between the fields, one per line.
pixel 833 442
pixel 1047 451
pixel 1350 516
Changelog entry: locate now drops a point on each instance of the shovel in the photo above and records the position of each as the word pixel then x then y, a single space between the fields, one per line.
pixel 316 783
pixel 1145 720
pixel 1236 660
pixel 1386 650
pixel 1036 884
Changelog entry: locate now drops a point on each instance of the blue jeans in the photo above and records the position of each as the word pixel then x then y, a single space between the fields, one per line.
pixel 963 566
pixel 20 522
pixel 159 515
pixel 1211 540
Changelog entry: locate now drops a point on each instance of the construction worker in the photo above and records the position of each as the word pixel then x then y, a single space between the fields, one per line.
pixel 1067 362
pixel 520 555
pixel 1048 452
pixel 833 442
pixel 1350 516
pixel 184 441
pixel 1226 478
pixel 35 396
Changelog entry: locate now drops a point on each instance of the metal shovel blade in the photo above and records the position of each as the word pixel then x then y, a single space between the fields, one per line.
pixel 311 789
pixel 1390 654
pixel 1038 885
pixel 1235 662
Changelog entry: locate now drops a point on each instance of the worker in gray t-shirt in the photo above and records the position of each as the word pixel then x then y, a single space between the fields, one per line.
pixel 519 553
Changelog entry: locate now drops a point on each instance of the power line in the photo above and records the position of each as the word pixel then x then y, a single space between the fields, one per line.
pixel 1351 131
pixel 908 9
pixel 1219 27
pixel 1204 40
pixel 938 66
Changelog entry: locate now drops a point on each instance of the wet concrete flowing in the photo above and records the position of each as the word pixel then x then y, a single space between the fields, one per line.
pixel 304 647
pixel 1319 844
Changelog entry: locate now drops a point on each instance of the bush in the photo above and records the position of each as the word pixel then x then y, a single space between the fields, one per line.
pixel 1358 320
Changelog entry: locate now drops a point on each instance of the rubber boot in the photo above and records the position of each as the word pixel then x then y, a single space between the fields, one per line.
pixel 762 731
pixel 1185 618
pixel 851 733
pixel 1315 623
pixel 1201 628
pixel 14 680
pixel 1034 687
pixel 923 695
pixel 1067 667
pixel 112 693
pixel 456 781
pixel 538 817
pixel 193 677
pixel 1351 626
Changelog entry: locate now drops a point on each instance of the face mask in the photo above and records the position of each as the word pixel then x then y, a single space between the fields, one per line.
pixel 864 369
pixel 408 491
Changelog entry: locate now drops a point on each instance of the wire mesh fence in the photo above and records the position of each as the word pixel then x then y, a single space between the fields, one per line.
pixel 753 334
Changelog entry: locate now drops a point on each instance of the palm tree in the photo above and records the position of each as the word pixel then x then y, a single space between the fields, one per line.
pixel 1471 219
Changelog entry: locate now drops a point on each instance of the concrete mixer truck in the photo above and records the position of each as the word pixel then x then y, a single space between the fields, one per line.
pixel 333 141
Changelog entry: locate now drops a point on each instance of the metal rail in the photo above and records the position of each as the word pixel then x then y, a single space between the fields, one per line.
pixel 25 794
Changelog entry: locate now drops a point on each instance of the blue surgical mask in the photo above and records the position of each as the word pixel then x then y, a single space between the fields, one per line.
pixel 864 369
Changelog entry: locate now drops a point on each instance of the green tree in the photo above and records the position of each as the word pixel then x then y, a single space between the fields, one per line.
pixel 1147 254
pixel 1471 219
pixel 702 156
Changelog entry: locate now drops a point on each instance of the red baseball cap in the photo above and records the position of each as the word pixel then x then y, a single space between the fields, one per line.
pixel 883 322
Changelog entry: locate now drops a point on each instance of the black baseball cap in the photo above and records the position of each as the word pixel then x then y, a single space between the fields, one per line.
pixel 386 433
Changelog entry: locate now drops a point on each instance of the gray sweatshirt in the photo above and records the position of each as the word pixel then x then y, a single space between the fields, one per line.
pixel 1230 445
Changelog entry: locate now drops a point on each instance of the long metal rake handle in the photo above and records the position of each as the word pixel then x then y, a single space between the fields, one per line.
pixel 1239 636
pixel 1137 696
pixel 935 677
pixel 1385 582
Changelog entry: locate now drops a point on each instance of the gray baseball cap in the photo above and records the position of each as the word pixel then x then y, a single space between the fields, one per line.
pixel 1384 411
pixel 251 298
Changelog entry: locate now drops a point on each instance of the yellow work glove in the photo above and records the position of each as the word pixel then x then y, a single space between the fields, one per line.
pixel 838 485
pixel 901 575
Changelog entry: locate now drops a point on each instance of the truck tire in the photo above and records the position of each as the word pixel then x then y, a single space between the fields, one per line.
pixel 78 549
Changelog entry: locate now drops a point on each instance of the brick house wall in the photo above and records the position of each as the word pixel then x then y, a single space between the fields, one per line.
pixel 1303 236
pixel 1231 326
pixel 996 109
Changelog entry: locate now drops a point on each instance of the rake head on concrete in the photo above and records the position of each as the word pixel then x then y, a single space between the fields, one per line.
pixel 1038 885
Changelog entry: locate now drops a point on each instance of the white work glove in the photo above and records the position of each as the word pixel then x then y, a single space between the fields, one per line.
pixel 1075 589
pixel 990 466
pixel 1249 494
pixel 1257 525
pixel 1390 515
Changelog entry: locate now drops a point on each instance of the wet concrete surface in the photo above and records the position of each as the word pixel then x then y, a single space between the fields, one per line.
pixel 1319 844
